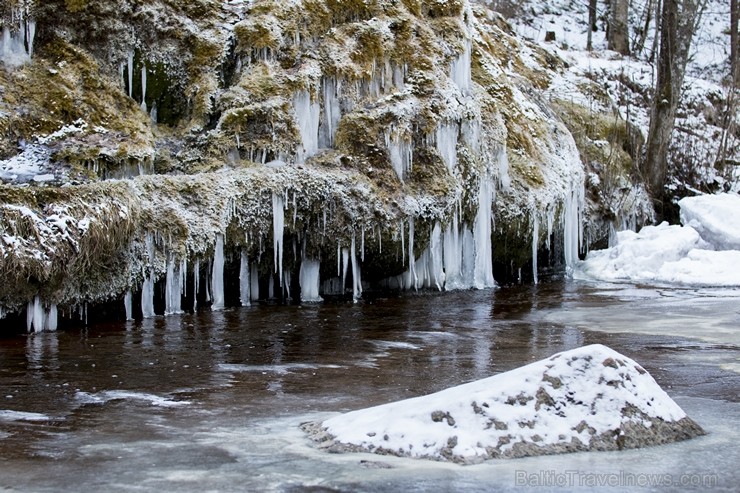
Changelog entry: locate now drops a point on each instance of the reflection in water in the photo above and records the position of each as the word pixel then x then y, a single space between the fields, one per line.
pixel 184 396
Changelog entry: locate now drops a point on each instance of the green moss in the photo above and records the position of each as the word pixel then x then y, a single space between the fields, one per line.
pixel 523 167
pixel 603 139
pixel 442 8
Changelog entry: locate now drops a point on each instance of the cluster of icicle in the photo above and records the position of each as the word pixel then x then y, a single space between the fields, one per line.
pixel 16 44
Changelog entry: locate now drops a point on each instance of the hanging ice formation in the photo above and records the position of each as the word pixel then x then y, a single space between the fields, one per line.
pixel 244 280
pixel 307 118
pixel 174 285
pixel 572 225
pixel 143 88
pixel 535 244
pixel 38 319
pixel 356 281
pixel 130 67
pixel 460 69
pixel 332 112
pixel 147 288
pixel 401 153
pixel 278 225
pixel 459 259
pixel 217 276
pixel 254 288
pixel 308 277
pixel 447 134
pixel 16 48
pixel 483 277
pixel 128 304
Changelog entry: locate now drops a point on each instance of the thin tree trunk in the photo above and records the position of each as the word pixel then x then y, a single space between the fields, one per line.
pixel 678 24
pixel 734 56
pixel 640 44
pixel 592 23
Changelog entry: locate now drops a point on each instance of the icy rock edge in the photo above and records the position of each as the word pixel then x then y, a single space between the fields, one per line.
pixel 589 398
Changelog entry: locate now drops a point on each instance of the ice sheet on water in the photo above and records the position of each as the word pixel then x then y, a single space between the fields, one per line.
pixel 118 395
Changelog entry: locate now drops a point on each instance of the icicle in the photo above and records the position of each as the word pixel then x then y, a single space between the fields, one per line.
pixel 29 316
pixel 173 287
pixel 535 244
pixel 550 225
pixel 254 288
pixel 401 153
pixel 332 111
pixel 244 280
pixel 147 289
pixel 278 225
pixel 413 279
pixel 307 119
pixel 217 276
pixel 51 318
pixel 38 315
pixel 127 304
pixel 143 87
pixel 356 281
pixel 339 258
pixel 31 34
pixel 447 135
pixel 196 284
pixel 130 66
pixel 362 244
pixel 483 277
pixel 572 226
pixel 460 69
pixel 271 288
pixel 308 277
pixel 286 285
pixel 452 258
pixel 403 246
pixel 345 264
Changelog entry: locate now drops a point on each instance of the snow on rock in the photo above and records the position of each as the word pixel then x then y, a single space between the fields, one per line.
pixel 698 253
pixel 715 217
pixel 589 398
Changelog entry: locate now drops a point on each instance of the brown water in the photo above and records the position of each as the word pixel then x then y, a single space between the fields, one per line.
pixel 213 401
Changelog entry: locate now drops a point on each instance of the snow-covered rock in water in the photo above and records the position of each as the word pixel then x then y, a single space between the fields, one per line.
pixel 715 217
pixel 590 398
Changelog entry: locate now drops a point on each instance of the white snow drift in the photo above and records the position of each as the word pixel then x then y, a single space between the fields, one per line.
pixel 590 398
pixel 704 251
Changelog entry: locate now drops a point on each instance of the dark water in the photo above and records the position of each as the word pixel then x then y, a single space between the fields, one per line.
pixel 212 402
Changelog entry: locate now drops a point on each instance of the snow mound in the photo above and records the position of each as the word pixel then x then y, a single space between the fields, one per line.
pixel 715 217
pixel 702 252
pixel 590 398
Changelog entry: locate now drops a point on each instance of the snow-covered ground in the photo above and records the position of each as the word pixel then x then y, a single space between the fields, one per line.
pixel 629 82
pixel 705 251
pixel 574 400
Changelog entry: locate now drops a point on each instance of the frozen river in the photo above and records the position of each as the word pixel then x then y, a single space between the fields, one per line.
pixel 212 402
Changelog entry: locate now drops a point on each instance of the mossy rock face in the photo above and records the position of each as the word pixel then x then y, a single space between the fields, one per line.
pixel 230 81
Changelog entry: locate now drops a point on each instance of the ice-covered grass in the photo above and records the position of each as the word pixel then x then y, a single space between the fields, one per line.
pixel 704 251
pixel 584 399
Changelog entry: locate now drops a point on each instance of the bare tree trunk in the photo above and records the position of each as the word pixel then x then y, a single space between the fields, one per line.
pixel 734 57
pixel 678 21
pixel 640 45
pixel 592 22
pixel 618 33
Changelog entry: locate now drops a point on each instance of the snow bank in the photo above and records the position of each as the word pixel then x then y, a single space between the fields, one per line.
pixel 590 398
pixel 702 252
pixel 715 217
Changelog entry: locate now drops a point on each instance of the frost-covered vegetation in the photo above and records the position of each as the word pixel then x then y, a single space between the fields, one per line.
pixel 230 151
